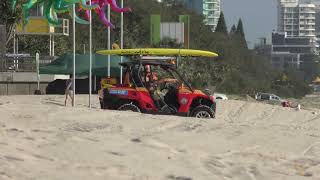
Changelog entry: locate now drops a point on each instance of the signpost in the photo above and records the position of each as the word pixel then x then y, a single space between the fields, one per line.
pixel 121 45
pixel 90 54
pixel 74 56
pixel 109 43
pixel 38 92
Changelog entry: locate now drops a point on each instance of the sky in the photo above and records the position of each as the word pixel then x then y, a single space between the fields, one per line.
pixel 259 17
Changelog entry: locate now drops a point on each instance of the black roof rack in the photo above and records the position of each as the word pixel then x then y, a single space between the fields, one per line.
pixel 147 62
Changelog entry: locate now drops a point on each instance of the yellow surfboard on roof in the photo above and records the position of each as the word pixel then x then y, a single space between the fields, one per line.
pixel 158 52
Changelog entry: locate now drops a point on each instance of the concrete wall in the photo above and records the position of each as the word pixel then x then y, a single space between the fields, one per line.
pixel 24 83
pixel 21 88
pixel 25 77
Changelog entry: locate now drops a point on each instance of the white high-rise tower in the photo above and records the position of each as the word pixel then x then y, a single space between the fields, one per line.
pixel 209 8
pixel 211 12
pixel 297 18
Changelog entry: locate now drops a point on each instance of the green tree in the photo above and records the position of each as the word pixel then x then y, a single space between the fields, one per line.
pixel 310 66
pixel 221 26
pixel 167 42
pixel 9 17
pixel 240 28
pixel 240 35
pixel 233 30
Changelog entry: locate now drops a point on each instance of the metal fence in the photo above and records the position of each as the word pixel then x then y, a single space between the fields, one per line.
pixel 22 63
pixel 3 39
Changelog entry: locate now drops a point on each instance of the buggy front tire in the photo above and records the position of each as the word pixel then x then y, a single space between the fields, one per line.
pixel 129 107
pixel 203 112
pixel 101 103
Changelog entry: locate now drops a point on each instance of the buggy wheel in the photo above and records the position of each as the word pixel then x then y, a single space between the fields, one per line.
pixel 203 112
pixel 129 107
pixel 101 103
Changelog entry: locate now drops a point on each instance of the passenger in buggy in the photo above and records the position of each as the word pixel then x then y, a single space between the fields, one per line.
pixel 162 91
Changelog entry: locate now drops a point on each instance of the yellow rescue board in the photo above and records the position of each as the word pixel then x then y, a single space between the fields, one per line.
pixel 158 52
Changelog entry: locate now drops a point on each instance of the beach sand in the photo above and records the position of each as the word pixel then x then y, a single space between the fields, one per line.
pixel 41 139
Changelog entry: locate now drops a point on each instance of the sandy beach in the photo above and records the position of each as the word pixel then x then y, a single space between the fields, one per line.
pixel 41 139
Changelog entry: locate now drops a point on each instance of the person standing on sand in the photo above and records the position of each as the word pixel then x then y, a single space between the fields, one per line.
pixel 69 90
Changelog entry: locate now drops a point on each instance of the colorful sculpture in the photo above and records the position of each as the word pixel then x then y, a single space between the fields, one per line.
pixel 102 9
pixel 53 7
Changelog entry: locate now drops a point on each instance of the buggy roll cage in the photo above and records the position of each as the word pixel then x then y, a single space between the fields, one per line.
pixel 142 61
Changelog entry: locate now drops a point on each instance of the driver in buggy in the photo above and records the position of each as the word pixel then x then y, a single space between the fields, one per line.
pixel 156 87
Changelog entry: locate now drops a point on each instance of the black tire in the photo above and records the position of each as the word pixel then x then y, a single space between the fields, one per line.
pixel 129 107
pixel 101 103
pixel 203 112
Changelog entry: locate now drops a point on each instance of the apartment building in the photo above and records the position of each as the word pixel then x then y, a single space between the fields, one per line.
pixel 296 18
pixel 211 11
pixel 288 51
pixel 296 35
pixel 209 8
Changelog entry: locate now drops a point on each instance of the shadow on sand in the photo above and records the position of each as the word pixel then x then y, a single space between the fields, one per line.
pixel 55 103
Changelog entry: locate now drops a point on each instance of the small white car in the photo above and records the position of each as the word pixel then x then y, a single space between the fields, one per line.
pixel 268 97
pixel 219 96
